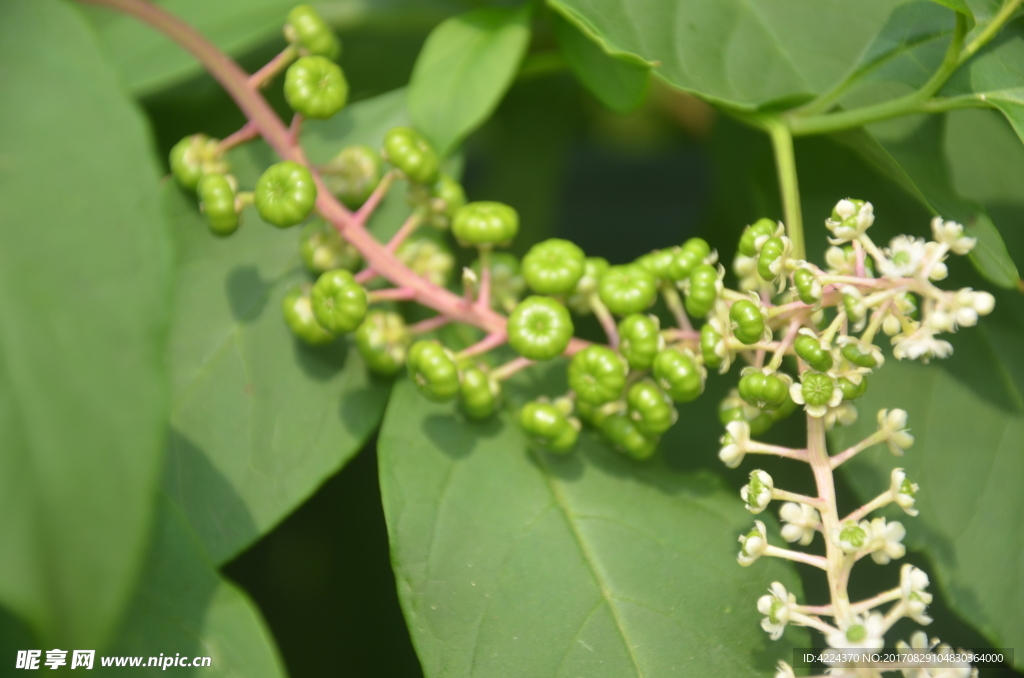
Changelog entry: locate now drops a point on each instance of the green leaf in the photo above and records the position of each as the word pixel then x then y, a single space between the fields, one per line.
pixel 183 606
pixel 463 71
pixel 510 561
pixel 968 421
pixel 619 83
pixel 959 6
pixel 738 53
pixel 149 62
pixel 84 287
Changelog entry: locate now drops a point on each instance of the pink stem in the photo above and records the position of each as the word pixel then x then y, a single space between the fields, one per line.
pixel 246 132
pixel 491 341
pixel 370 206
pixel 511 367
pixel 429 325
pixel 392 294
pixel 272 67
pixel 483 297
pixel 410 225
pixel 258 111
pixel 296 127
pixel 366 275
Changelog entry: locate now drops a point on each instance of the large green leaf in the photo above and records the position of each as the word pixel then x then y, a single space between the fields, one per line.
pixel 740 53
pixel 464 69
pixel 620 83
pixel 511 561
pixel 84 287
pixel 148 61
pixel 182 606
pixel 968 420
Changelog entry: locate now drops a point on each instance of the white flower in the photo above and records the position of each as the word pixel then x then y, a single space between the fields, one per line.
pixel 775 607
pixel 885 540
pixel 920 644
pixel 757 494
pixel 920 344
pixel 904 492
pixel 903 257
pixel 894 423
pixel 734 443
pixel 913 582
pixel 859 633
pixel 841 262
pixel 849 220
pixel 844 414
pixel 745 269
pixel 851 537
pixel 933 268
pixel 752 544
pixel 951 234
pixel 800 522
pixel 784 670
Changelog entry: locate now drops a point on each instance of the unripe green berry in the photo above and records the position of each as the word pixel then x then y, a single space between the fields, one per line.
pixel 485 223
pixel 678 375
pixel 748 325
pixel 760 228
pixel 507 285
pixel 650 408
pixel 217 201
pixel 445 198
pixel 657 262
pixel 553 266
pixel 771 250
pixel 623 434
pixel 298 315
pixel 703 291
pixel 809 348
pixel 807 285
pixel 548 427
pixel 627 289
pixel 853 391
pixel 322 249
pixel 853 353
pixel 427 257
pixel 307 30
pixel 432 370
pixel 353 174
pixel 784 410
pixel 285 194
pixel 315 87
pixel 406 149
pixel 593 269
pixel 194 156
pixel 339 302
pixel 710 340
pixel 688 257
pixel 597 374
pixel 640 340
pixel 766 391
pixel 383 340
pixel 817 388
pixel 478 393
pixel 539 328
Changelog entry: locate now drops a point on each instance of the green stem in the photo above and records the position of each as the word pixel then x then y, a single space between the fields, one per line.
pixel 989 32
pixel 785 163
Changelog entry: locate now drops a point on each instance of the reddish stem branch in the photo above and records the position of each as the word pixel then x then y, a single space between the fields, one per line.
pixel 407 228
pixel 491 341
pixel 392 294
pixel 246 132
pixel 263 76
pixel 429 325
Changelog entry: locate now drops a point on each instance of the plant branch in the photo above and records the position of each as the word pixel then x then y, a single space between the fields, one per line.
pixel 785 164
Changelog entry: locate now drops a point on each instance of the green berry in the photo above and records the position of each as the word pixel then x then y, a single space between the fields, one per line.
pixel 593 269
pixel 809 348
pixel 339 302
pixel 353 174
pixel 692 254
pixel 650 408
pixel 406 149
pixel 703 291
pixel 657 262
pixel 678 375
pixel 762 228
pixel 383 340
pixel 817 388
pixel 539 328
pixel 194 156
pixel 298 315
pixel 315 87
pixel 428 257
pixel 597 374
pixel 853 391
pixel 766 391
pixel 322 249
pixel 623 434
pixel 548 427
pixel 444 199
pixel 507 285
pixel 217 200
pixel 732 408
pixel 853 353
pixel 627 289
pixel 432 370
pixel 771 250
pixel 285 194
pixel 640 340
pixel 478 393
pixel 553 266
pixel 784 410
pixel 308 30
pixel 485 223
pixel 710 340
pixel 748 325
pixel 807 285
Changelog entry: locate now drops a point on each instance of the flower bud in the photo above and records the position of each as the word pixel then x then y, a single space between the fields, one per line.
pixel 757 494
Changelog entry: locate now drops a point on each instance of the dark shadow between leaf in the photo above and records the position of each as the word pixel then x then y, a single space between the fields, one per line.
pixel 450 435
pixel 247 292
pixel 321 363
